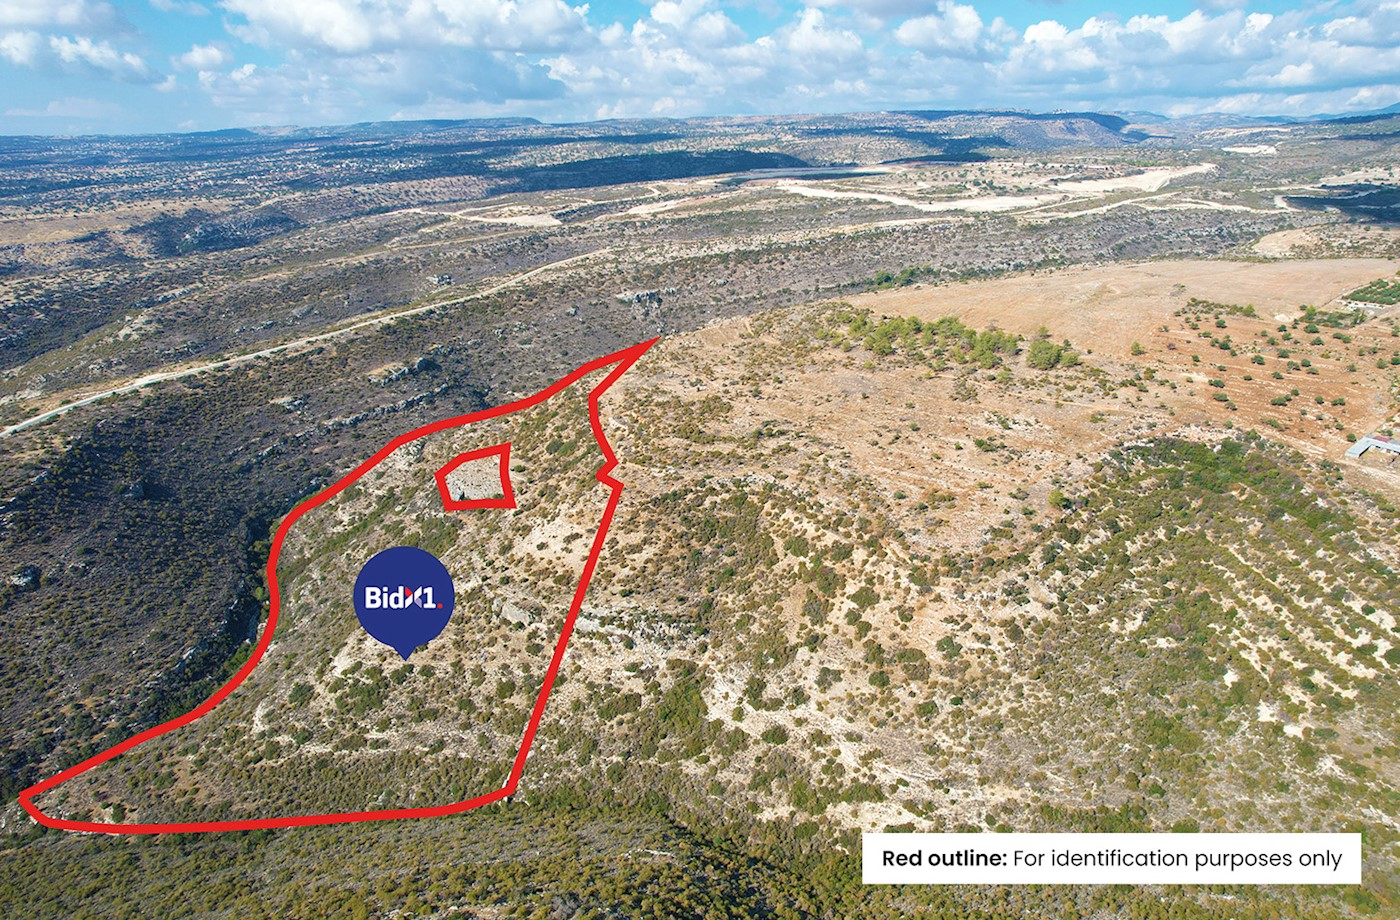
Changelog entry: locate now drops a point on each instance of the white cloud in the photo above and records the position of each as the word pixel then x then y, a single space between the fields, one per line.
pixel 1297 62
pixel 1379 25
pixel 202 57
pixel 358 26
pixel 679 61
pixel 819 47
pixel 703 26
pixel 21 48
pixel 1105 58
pixel 433 83
pixel 82 53
pixel 1372 97
pixel 78 55
pixel 715 29
pixel 677 12
pixel 333 60
pixel 953 29
pixel 70 36
pixel 821 58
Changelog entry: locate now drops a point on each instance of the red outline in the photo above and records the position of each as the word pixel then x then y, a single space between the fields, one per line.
pixel 507 499
pixel 623 359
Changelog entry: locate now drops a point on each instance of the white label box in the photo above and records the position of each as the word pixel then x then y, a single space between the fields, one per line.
pixel 1111 859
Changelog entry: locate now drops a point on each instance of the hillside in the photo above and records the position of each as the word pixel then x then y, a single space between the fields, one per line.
pixel 989 473
pixel 876 572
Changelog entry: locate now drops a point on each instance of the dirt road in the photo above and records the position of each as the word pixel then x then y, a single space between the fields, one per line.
pixel 192 369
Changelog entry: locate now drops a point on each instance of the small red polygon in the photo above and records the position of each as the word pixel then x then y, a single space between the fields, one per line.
pixel 507 499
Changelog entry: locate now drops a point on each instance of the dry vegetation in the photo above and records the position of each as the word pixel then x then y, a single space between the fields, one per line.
pixel 1033 519
pixel 888 572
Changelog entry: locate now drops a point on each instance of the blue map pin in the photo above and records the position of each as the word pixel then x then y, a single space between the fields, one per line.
pixel 404 598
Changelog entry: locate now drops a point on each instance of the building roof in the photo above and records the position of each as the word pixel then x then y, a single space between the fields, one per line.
pixel 1391 445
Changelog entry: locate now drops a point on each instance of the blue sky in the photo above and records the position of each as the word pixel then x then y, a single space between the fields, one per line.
pixel 90 66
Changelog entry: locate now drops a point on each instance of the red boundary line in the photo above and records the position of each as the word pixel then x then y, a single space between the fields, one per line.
pixel 507 499
pixel 623 360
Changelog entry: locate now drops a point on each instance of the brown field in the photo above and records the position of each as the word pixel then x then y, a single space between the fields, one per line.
pixel 1103 310
pixel 1108 307
pixel 909 431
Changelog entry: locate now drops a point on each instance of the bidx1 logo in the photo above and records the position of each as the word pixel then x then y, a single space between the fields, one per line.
pixel 404 598
pixel 399 598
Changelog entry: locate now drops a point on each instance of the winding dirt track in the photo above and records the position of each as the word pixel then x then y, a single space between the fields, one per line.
pixel 378 320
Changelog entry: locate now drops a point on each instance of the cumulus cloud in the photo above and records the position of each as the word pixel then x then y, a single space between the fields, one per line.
pixel 202 57
pixel 408 84
pixel 352 59
pixel 677 13
pixel 954 30
pixel 1378 26
pixel 818 48
pixel 84 54
pixel 682 60
pixel 358 26
pixel 70 36
pixel 77 55
pixel 947 52
pixel 704 26
pixel 1197 54
pixel 21 48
